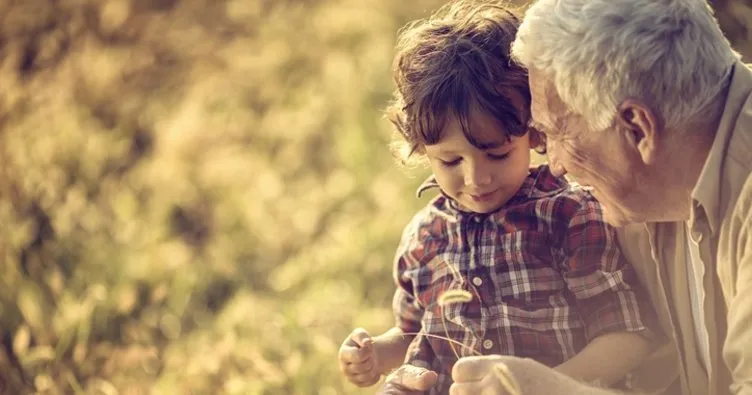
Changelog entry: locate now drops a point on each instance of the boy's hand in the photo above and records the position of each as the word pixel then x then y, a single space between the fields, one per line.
pixel 409 380
pixel 357 359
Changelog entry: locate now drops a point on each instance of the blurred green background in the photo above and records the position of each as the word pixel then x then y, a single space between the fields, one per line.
pixel 196 196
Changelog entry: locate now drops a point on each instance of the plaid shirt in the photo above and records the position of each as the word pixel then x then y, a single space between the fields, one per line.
pixel 544 270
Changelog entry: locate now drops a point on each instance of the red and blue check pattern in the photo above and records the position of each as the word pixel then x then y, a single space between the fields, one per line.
pixel 545 272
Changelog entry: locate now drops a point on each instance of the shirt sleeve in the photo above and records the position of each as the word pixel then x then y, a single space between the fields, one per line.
pixel 420 353
pixel 407 309
pixel 737 349
pixel 598 276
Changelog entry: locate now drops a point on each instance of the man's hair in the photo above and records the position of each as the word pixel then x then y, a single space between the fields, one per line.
pixel 456 63
pixel 669 54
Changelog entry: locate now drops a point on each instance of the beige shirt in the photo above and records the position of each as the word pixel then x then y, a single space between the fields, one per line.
pixel 696 268
pixel 721 224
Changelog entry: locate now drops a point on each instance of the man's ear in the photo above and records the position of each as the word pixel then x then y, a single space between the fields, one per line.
pixel 642 127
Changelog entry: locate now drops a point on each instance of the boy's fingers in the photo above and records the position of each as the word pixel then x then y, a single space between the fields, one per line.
pixel 358 347
pixel 366 380
pixel 354 355
pixel 361 338
pixel 360 368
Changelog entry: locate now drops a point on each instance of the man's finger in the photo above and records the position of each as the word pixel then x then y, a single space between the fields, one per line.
pixel 471 369
pixel 395 389
pixel 472 388
pixel 414 378
pixel 497 380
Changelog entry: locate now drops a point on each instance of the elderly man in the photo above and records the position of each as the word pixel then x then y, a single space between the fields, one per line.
pixel 646 102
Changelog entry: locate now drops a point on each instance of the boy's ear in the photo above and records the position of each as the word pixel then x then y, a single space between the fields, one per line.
pixel 642 128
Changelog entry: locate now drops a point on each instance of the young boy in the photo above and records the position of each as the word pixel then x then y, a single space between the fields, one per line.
pixel 538 272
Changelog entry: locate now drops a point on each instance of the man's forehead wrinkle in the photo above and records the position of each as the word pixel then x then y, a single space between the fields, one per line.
pixel 538 106
pixel 554 112
pixel 549 112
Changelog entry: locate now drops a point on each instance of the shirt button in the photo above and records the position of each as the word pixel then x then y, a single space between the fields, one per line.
pixel 477 281
pixel 488 344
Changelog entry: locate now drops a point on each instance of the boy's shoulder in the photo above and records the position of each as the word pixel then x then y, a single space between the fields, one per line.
pixel 435 215
pixel 546 185
pixel 553 196
pixel 438 212
pixel 564 197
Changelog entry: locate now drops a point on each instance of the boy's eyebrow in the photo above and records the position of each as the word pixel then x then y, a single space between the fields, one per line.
pixel 483 146
pixel 493 145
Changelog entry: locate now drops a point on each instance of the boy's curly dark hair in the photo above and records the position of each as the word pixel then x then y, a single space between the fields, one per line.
pixel 454 63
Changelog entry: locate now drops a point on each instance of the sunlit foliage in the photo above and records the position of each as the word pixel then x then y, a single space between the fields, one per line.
pixel 196 196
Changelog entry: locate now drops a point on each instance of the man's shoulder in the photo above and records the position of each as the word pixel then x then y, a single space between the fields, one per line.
pixel 743 208
pixel 738 109
pixel 740 143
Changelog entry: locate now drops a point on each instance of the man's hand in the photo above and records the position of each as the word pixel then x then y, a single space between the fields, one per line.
pixel 505 375
pixel 357 359
pixel 409 380
pixel 487 375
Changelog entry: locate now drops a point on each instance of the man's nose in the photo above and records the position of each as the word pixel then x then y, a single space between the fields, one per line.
pixel 554 164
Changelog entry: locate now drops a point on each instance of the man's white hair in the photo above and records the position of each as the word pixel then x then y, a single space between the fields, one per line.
pixel 669 54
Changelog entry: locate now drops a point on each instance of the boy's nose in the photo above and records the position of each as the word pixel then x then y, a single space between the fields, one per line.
pixel 477 176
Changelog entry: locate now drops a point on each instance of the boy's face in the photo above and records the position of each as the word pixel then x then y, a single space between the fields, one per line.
pixel 480 180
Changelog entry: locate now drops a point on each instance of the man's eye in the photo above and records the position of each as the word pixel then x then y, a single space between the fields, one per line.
pixel 498 156
pixel 451 163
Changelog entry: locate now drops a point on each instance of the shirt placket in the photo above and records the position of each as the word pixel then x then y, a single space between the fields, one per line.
pixel 666 296
pixel 476 228
pixel 700 237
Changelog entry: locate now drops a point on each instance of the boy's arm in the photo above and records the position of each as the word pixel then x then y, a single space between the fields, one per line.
pixel 606 290
pixel 607 358
pixel 390 348
pixel 407 309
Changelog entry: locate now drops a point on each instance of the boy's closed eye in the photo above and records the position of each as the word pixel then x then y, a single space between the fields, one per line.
pixel 491 155
pixel 497 156
pixel 450 162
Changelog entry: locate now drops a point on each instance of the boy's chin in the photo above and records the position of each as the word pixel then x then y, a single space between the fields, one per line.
pixel 483 208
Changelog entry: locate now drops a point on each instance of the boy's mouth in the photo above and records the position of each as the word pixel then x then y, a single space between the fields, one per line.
pixel 483 196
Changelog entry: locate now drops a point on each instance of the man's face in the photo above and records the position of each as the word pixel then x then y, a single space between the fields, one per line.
pixel 606 161
pixel 480 180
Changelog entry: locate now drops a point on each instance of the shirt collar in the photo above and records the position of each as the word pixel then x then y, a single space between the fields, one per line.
pixel 538 184
pixel 706 194
pixel 429 183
